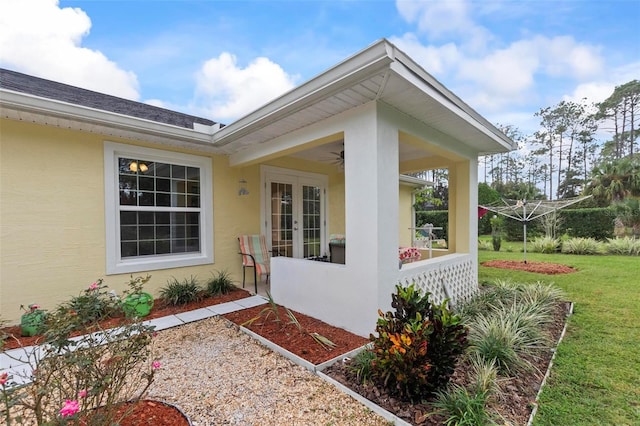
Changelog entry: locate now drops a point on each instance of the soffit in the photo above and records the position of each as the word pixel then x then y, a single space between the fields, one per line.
pixel 391 78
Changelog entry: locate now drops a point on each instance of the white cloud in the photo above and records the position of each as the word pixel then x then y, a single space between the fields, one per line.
pixel 599 90
pixel 435 59
pixel 229 91
pixel 441 20
pixel 563 56
pixel 508 76
pixel 38 37
pixel 490 75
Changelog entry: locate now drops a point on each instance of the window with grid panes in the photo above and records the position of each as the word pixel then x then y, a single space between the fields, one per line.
pixel 160 211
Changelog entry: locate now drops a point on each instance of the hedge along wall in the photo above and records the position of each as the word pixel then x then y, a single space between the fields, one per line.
pixel 438 218
pixel 595 223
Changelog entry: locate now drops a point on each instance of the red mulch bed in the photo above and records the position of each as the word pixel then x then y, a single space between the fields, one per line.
pixel 537 267
pixel 287 335
pixel 148 413
pixel 160 309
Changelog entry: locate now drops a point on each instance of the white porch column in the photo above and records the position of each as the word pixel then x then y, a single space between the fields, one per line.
pixel 349 295
pixel 371 210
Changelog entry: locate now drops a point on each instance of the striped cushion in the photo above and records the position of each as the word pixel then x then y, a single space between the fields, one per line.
pixel 257 246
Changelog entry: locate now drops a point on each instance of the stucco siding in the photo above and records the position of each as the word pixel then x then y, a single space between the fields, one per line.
pixel 52 217
pixel 405 215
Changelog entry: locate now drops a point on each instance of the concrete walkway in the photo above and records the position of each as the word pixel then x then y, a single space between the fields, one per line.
pixel 16 361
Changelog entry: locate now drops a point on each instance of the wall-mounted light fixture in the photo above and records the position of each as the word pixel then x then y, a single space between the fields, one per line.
pixel 135 166
pixel 242 184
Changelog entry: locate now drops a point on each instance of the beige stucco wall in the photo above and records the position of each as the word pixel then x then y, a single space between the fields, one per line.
pixel 52 232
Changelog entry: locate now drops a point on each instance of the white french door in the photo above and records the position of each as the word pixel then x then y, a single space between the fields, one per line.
pixel 294 212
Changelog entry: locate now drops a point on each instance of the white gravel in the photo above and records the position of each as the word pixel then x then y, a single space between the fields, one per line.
pixel 219 376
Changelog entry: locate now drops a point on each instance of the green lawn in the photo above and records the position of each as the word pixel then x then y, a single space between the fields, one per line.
pixel 595 379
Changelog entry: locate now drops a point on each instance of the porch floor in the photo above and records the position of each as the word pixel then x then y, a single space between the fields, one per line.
pixel 263 287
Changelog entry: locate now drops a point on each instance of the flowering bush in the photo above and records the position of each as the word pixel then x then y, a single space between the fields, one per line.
pixel 94 303
pixel 70 408
pixel 70 378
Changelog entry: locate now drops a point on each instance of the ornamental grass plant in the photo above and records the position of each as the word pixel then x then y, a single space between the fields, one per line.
pixel 177 292
pixel 626 246
pixel 544 245
pixel 583 246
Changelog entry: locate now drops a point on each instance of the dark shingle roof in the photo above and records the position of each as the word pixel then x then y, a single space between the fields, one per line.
pixel 24 83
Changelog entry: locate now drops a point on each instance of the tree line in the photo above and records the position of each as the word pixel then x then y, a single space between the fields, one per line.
pixel 567 157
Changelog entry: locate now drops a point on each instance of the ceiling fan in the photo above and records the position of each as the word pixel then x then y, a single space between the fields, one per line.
pixel 338 160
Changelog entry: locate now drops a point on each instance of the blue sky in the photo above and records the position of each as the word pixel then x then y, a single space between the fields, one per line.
pixel 222 59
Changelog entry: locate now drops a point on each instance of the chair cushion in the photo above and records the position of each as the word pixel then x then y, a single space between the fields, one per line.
pixel 255 245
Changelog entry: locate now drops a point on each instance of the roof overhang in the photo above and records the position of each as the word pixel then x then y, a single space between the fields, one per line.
pixel 380 73
pixel 29 108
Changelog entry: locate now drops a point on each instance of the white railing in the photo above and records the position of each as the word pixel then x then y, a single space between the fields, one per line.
pixel 453 276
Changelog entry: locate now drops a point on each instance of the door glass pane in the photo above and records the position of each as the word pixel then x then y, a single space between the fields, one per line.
pixel 281 205
pixel 311 220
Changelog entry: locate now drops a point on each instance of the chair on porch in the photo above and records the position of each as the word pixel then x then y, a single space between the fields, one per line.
pixel 253 249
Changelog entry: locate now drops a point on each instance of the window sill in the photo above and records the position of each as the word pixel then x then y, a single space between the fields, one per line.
pixel 155 263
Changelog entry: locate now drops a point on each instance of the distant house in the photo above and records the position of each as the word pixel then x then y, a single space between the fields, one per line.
pixel 96 186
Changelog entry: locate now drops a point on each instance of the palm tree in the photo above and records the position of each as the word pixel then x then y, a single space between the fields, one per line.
pixel 613 181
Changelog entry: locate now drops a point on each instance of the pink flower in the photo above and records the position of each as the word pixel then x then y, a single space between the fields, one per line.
pixel 155 365
pixel 93 286
pixel 82 393
pixel 4 377
pixel 34 306
pixel 70 408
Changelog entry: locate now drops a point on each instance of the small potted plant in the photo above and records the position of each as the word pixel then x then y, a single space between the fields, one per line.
pixel 137 303
pixel 33 320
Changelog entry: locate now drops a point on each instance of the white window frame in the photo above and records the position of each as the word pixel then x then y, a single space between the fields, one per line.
pixel 115 264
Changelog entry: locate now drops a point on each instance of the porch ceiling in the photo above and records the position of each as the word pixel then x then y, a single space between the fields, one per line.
pixel 379 73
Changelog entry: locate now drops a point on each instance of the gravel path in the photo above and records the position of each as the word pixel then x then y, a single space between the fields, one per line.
pixel 219 376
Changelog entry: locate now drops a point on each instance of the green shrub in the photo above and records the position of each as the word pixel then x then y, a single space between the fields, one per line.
pixel 484 245
pixel 462 407
pixel 497 339
pixel 544 245
pixel 541 293
pixel 467 406
pixel 439 218
pixel 362 364
pixel 514 229
pixel 488 295
pixel 582 246
pixel 181 293
pixel 417 347
pixel 95 303
pixel 625 246
pixel 505 322
pixel 497 222
pixel 595 223
pixel 220 283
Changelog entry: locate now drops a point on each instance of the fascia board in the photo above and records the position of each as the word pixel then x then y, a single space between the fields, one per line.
pixel 342 76
pixel 405 68
pixel 34 104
